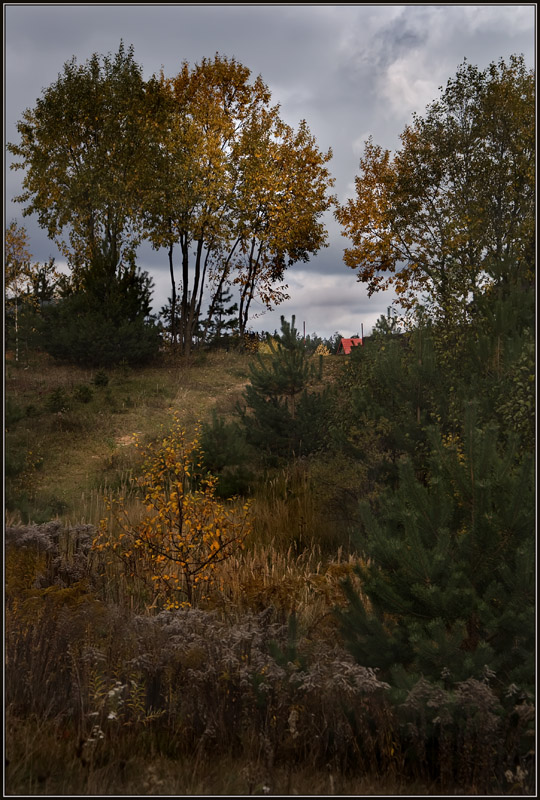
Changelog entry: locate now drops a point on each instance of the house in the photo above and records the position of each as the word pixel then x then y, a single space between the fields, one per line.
pixel 346 345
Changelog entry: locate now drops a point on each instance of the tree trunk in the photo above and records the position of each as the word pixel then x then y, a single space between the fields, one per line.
pixel 224 276
pixel 174 332
pixel 16 329
pixel 248 289
pixel 185 333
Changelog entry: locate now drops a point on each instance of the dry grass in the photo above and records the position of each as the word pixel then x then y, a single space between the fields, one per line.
pixel 228 698
pixel 61 457
pixel 43 761
pixel 225 698
pixel 306 584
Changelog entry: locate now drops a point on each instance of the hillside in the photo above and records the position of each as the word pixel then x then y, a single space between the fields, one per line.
pixel 162 638
pixel 69 431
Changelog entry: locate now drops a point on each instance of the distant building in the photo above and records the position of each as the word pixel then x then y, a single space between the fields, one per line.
pixel 346 345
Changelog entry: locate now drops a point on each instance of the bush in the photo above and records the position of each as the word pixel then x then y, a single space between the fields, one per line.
pixel 87 337
pixel 282 418
pixel 83 394
pixel 101 379
pixel 57 401
pixel 227 455
pixel 185 533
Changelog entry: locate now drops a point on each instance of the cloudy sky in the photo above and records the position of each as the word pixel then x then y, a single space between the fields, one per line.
pixel 350 71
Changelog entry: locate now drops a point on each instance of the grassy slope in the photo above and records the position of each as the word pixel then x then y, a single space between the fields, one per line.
pixel 77 453
pixel 87 451
pixel 56 460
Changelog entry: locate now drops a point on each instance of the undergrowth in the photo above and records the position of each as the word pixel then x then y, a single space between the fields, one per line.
pixel 251 677
pixel 251 690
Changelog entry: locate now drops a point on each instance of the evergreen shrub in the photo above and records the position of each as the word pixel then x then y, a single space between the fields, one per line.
pixel 227 455
pixel 282 418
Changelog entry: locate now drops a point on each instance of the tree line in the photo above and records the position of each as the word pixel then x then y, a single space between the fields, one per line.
pixel 202 166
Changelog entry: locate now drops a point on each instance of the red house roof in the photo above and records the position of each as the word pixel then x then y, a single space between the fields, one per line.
pixel 346 345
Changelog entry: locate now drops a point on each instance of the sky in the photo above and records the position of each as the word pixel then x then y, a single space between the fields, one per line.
pixel 351 71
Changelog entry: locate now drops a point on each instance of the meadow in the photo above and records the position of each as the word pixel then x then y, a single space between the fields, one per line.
pixel 249 689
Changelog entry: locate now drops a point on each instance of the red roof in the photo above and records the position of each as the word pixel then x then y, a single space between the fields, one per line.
pixel 347 344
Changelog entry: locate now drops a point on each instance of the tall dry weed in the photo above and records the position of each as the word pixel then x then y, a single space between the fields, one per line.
pixel 268 684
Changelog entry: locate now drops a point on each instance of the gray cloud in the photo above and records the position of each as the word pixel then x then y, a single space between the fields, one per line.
pixel 350 70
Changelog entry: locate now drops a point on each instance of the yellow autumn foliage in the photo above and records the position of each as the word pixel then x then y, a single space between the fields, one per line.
pixel 185 530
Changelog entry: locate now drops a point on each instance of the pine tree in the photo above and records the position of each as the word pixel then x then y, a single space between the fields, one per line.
pixel 282 418
pixel 391 391
pixel 105 318
pixel 222 323
pixel 227 456
pixel 449 566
